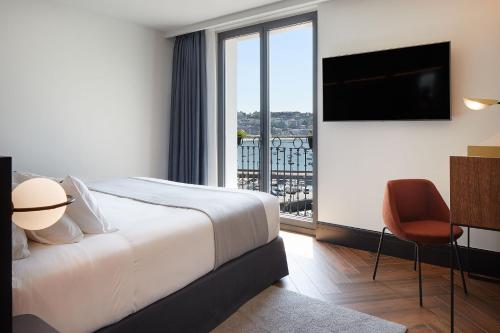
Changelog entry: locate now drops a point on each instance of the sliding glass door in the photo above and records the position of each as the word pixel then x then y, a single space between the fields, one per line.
pixel 266 97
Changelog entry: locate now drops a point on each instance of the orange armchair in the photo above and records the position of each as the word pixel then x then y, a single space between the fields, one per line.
pixel 413 210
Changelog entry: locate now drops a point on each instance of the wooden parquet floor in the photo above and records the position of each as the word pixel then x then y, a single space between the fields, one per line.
pixel 343 276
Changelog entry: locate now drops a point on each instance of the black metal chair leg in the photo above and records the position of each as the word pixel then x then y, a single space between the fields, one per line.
pixel 378 252
pixel 419 274
pixel 460 266
pixel 415 259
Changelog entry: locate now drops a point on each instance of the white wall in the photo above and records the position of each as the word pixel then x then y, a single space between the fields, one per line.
pixel 82 93
pixel 357 158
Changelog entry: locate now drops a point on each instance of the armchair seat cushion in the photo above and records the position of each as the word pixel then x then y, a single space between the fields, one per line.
pixel 430 231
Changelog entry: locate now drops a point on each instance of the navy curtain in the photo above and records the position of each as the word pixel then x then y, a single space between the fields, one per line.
pixel 187 161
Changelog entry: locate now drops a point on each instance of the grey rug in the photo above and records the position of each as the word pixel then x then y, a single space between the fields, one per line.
pixel 279 310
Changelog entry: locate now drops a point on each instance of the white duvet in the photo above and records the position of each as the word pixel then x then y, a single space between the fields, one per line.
pixel 88 285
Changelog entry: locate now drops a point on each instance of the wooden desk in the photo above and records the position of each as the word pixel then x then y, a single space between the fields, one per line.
pixel 474 200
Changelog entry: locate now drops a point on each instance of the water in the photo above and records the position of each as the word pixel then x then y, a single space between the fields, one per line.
pixel 290 154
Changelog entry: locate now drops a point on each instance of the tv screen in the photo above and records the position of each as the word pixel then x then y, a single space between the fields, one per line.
pixel 411 83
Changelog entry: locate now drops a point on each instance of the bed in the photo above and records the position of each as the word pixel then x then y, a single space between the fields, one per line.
pixel 160 271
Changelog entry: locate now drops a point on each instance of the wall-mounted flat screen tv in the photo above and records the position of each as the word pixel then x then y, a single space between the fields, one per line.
pixel 411 83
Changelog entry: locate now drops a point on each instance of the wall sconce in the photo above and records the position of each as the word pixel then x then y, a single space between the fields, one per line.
pixel 481 151
pixel 479 103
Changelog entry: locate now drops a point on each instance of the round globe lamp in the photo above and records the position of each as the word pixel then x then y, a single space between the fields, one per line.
pixel 38 203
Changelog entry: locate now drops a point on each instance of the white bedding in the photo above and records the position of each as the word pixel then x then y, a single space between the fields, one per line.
pixel 84 286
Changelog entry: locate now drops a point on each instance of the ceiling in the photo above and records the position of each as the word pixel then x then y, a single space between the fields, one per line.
pixel 167 15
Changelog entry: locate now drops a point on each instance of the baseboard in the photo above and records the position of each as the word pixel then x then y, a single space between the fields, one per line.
pixel 298 230
pixel 480 261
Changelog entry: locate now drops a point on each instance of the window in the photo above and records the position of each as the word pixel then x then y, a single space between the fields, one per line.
pixel 267 112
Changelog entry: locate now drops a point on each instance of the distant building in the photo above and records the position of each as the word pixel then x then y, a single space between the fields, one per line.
pixel 285 123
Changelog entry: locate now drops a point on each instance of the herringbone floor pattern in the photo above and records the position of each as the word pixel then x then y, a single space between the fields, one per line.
pixel 343 276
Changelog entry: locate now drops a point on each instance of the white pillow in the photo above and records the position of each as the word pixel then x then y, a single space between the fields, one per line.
pixel 85 211
pixel 19 243
pixel 64 231
pixel 14 179
pixel 20 176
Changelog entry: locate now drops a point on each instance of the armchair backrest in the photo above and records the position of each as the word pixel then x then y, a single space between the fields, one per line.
pixel 408 200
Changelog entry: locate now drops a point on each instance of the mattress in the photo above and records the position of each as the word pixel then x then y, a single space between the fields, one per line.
pixel 158 250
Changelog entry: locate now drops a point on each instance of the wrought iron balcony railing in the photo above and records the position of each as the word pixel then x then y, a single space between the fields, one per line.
pixel 291 159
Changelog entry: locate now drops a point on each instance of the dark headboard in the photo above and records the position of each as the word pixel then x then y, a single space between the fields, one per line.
pixel 6 244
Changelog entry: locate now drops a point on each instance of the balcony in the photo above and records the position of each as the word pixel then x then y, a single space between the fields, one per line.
pixel 291 159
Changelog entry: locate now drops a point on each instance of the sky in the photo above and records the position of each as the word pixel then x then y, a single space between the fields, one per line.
pixel 290 71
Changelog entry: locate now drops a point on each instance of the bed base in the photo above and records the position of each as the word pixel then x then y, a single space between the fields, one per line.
pixel 205 303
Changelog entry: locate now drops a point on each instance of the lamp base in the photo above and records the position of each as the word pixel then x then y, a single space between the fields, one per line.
pixel 483 151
